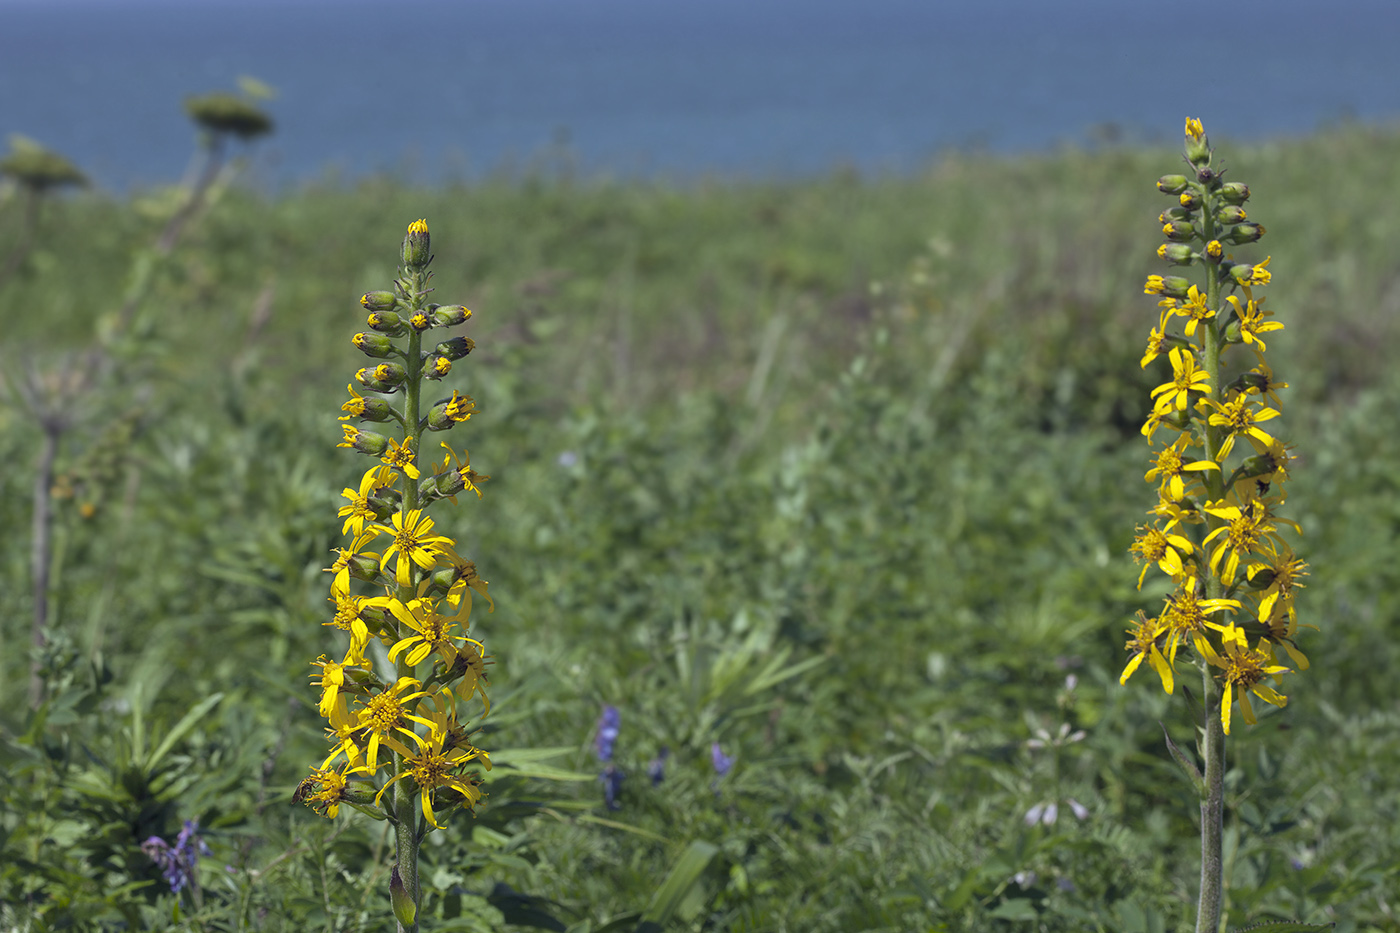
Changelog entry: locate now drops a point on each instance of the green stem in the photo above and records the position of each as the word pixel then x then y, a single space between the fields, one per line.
pixel 406 829
pixel 1213 744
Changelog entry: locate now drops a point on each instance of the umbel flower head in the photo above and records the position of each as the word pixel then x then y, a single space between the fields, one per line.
pixel 398 749
pixel 1217 531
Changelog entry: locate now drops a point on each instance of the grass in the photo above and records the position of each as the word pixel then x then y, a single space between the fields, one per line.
pixel 881 431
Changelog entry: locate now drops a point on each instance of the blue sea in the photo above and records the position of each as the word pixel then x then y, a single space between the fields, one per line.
pixel 428 89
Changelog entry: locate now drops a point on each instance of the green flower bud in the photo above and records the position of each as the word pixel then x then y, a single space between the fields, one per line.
pixel 416 242
pixel 1173 213
pixel 1178 254
pixel 366 378
pixel 368 408
pixel 1179 231
pixel 435 367
pixel 1172 286
pixel 1233 333
pixel 1172 184
pixel 391 374
pixel 456 348
pixel 1240 272
pixel 375 619
pixel 1246 233
pixel 420 322
pixel 364 567
pixel 1215 250
pixel 405 912
pixel 366 442
pixel 384 506
pixel 1234 192
pixel 1232 214
pixel 379 301
pixel 375 345
pixel 1259 577
pixel 1197 145
pixel 386 322
pixel 1190 200
pixel 450 315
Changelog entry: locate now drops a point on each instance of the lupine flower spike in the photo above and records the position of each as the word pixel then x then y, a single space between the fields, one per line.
pixel 1216 530
pixel 395 700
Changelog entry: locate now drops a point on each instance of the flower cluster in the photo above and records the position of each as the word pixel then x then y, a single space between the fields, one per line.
pixel 393 696
pixel 1220 473
pixel 179 863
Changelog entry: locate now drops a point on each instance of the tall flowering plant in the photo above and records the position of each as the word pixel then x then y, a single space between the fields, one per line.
pixel 395 700
pixel 1220 475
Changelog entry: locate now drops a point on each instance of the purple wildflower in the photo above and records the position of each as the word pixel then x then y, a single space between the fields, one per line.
pixel 656 768
pixel 178 862
pixel 720 760
pixel 612 784
pixel 609 725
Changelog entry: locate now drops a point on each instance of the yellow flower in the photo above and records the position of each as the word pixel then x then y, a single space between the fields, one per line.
pixel 328 793
pixel 1194 129
pixel 414 543
pixel 1244 670
pixel 386 713
pixel 401 456
pixel 1241 418
pixel 438 756
pixel 1155 546
pixel 1171 465
pixel 1245 531
pixel 1186 378
pixel 1195 310
pixel 359 510
pixel 1142 643
pixel 1186 617
pixel 1251 319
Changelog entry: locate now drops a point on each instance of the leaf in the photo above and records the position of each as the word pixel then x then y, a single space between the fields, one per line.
pixel 186 723
pixel 1286 927
pixel 684 874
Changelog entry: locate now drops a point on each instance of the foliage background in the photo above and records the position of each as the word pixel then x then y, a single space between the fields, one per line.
pixel 838 473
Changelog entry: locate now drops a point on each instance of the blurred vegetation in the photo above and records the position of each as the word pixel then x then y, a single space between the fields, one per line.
pixel 838 473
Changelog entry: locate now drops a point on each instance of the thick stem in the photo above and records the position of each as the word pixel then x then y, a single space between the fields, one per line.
pixel 1212 811
pixel 41 556
pixel 1213 745
pixel 406 837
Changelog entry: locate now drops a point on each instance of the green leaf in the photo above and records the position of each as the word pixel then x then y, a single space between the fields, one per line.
pixel 186 723
pixel 1286 927
pixel 685 873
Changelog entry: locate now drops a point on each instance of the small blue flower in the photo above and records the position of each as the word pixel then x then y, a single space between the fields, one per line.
pixel 720 760
pixel 656 768
pixel 609 725
pixel 178 862
pixel 612 785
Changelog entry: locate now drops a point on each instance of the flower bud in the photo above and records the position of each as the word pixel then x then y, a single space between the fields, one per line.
pixel 456 348
pixel 1172 184
pixel 1241 272
pixel 1233 214
pixel 1233 333
pixel 379 301
pixel 1173 213
pixel 391 374
pixel 364 567
pixel 416 243
pixel 1178 231
pixel 374 345
pixel 366 378
pixel 420 322
pixel 1259 577
pixel 405 912
pixel 435 367
pixel 1197 145
pixel 1234 192
pixel 1190 200
pixel 1246 233
pixel 366 442
pixel 386 322
pixel 450 315
pixel 1215 250
pixel 1172 286
pixel 367 408
pixel 1178 254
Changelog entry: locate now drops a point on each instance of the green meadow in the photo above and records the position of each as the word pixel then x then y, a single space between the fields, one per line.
pixel 840 473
